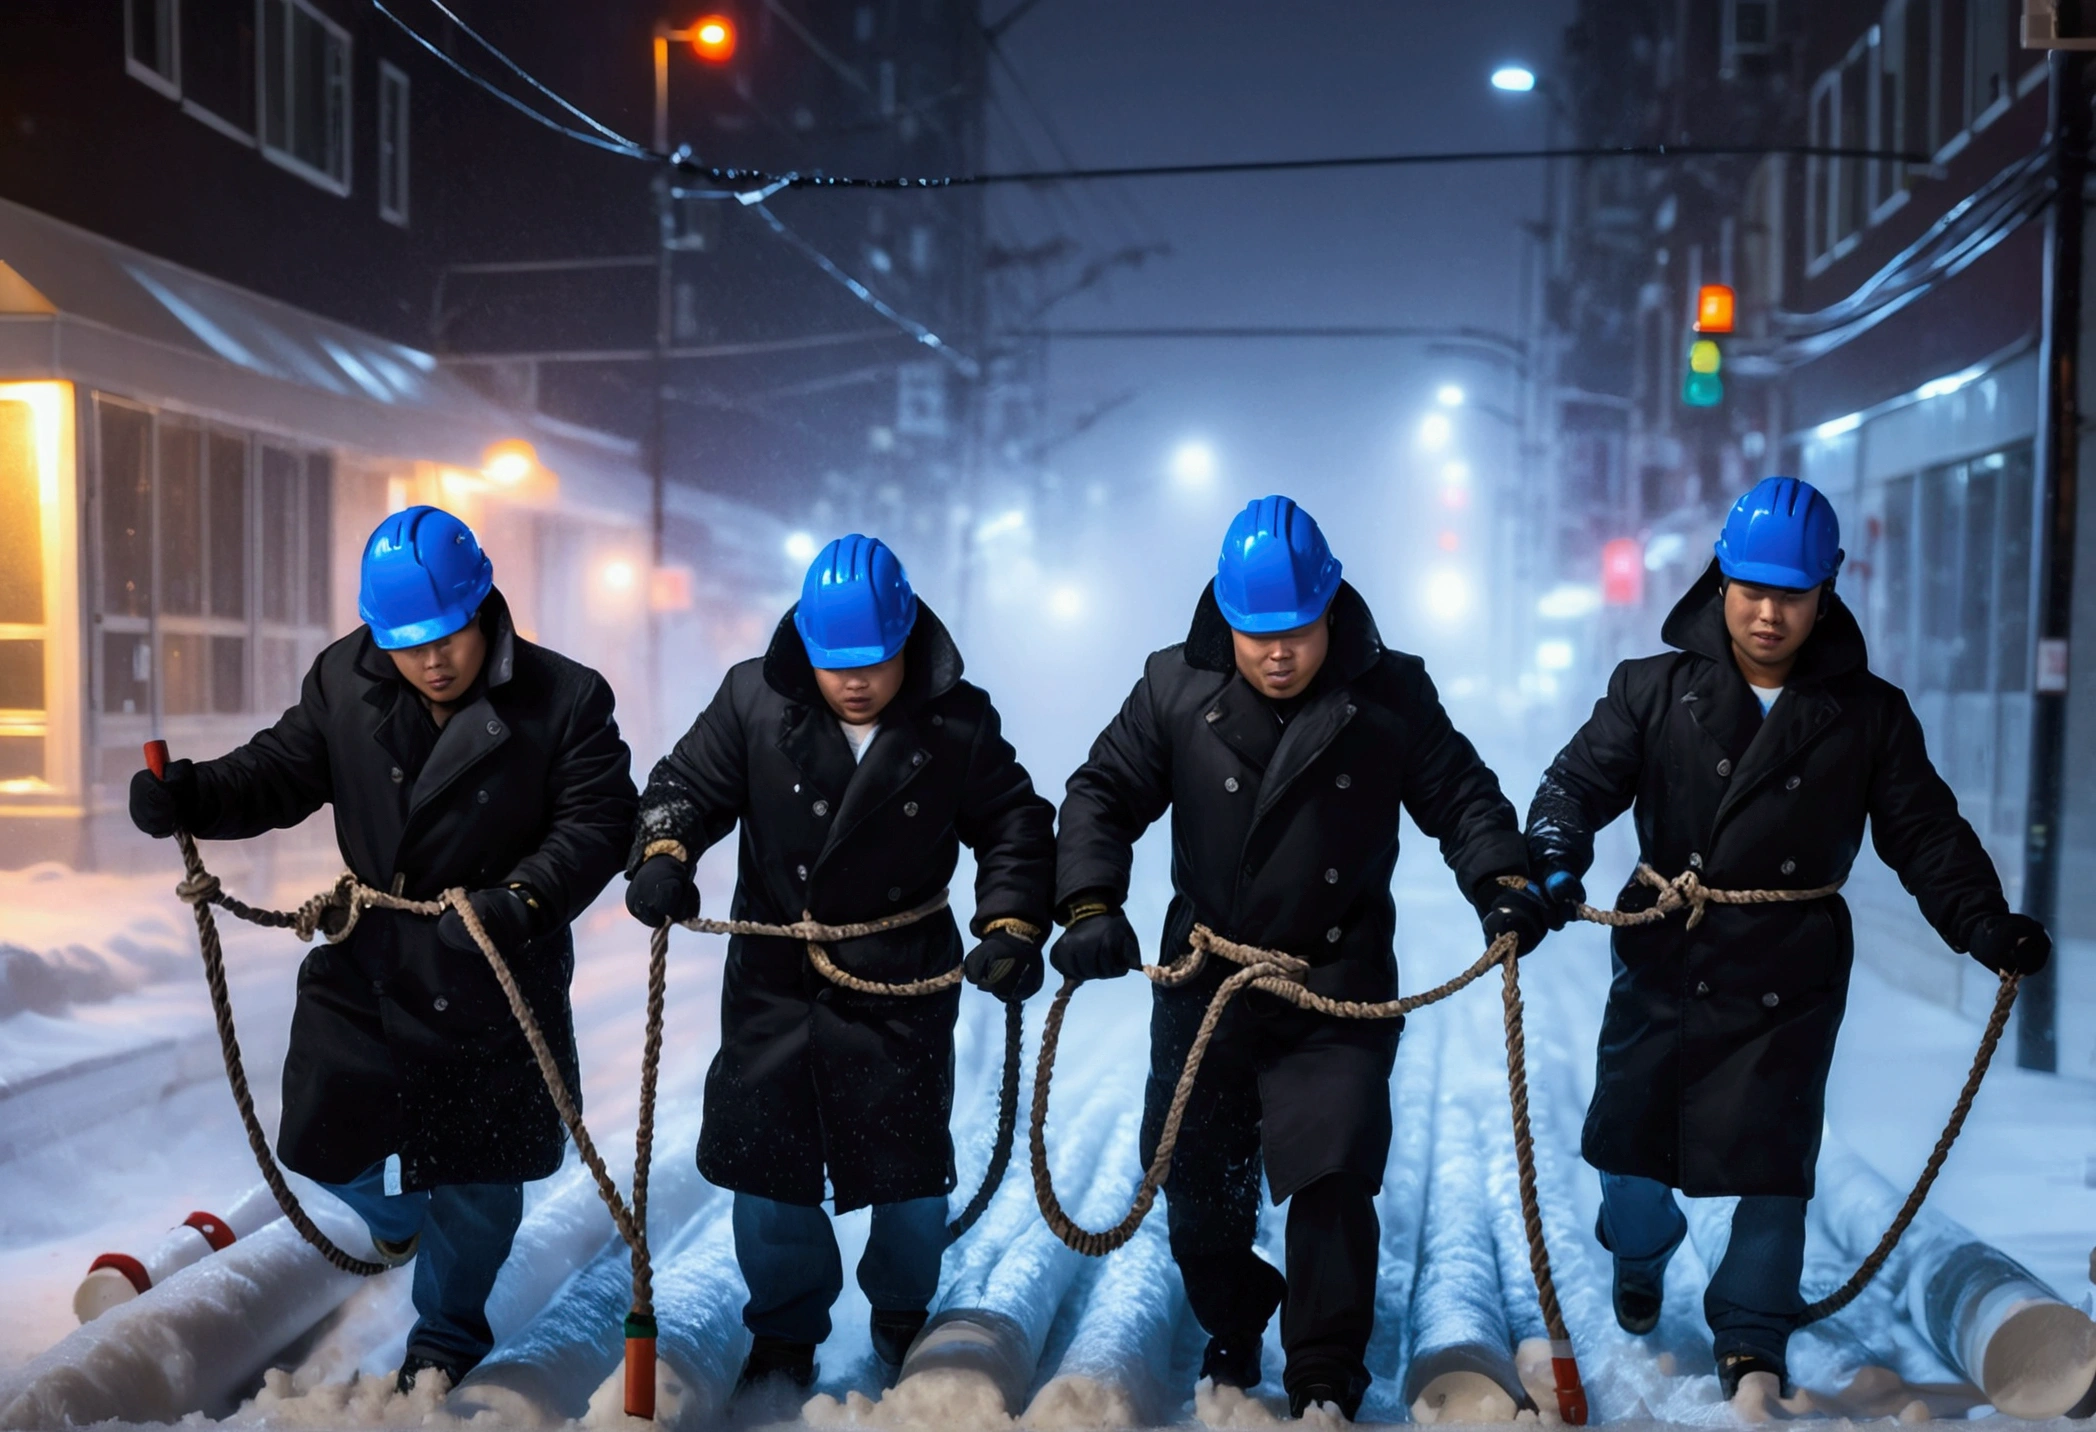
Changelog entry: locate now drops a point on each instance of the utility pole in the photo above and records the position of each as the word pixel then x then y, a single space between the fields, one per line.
pixel 2059 458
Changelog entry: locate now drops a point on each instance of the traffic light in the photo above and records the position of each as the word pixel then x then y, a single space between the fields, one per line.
pixel 713 38
pixel 1714 303
pixel 1702 386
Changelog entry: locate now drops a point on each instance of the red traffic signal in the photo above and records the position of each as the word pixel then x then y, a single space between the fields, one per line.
pixel 1623 572
pixel 713 39
pixel 1714 304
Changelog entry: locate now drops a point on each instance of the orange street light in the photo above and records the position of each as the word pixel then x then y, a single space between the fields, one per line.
pixel 713 39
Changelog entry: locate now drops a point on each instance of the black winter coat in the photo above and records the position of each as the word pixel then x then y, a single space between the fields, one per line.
pixel 1716 1042
pixel 810 1077
pixel 1286 837
pixel 399 1043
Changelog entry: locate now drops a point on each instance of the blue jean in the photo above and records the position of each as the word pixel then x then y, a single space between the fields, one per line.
pixel 466 1230
pixel 1752 1302
pixel 790 1261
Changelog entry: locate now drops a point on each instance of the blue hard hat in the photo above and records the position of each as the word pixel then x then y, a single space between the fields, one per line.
pixel 1276 572
pixel 424 576
pixel 1782 534
pixel 856 605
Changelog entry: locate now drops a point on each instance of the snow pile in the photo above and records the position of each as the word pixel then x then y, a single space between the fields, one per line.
pixel 67 938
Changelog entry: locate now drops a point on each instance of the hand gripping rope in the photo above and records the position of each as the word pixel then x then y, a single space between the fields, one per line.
pixel 1276 973
pixel 350 897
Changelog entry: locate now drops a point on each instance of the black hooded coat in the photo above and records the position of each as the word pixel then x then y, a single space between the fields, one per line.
pixel 1717 1041
pixel 810 1077
pixel 1283 836
pixel 400 1043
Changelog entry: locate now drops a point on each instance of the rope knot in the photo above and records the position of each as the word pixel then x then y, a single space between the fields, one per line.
pixel 1684 891
pixel 199 889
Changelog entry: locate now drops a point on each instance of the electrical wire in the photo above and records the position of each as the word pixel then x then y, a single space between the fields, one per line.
pixel 525 75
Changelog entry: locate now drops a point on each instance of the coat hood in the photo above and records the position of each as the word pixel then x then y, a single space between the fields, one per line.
pixel 931 662
pixel 1356 644
pixel 1697 626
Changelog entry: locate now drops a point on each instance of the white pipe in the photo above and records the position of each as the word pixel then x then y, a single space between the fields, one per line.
pixel 118 1277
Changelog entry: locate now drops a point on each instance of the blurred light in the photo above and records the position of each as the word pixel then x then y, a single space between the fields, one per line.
pixel 1447 595
pixel 1554 656
pixel 670 589
pixel 1623 572
pixel 1456 472
pixel 1002 523
pixel 509 462
pixel 1704 357
pixel 1569 600
pixel 1455 499
pixel 1714 306
pixel 1838 426
pixel 1448 395
pixel 713 39
pixel 619 574
pixel 1516 79
pixel 1945 386
pixel 801 547
pixel 1193 463
pixel 1448 541
pixel 1702 390
pixel 1065 602
pixel 1435 430
pixel 1664 549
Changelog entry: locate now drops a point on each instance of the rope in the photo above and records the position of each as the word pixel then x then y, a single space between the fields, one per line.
pixel 815 935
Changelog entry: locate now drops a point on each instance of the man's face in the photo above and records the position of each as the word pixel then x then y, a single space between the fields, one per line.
pixel 1281 664
pixel 1769 624
pixel 859 694
pixel 443 669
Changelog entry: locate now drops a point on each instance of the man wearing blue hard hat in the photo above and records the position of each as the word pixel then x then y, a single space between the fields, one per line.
pixel 857 762
pixel 1286 740
pixel 455 754
pixel 1753 754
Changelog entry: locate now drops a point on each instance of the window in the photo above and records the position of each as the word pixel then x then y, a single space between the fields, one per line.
pixel 23 612
pixel 218 65
pixel 151 34
pixel 305 93
pixel 1820 171
pixel 1851 205
pixel 392 145
pixel 1748 31
pixel 1990 45
pixel 212 573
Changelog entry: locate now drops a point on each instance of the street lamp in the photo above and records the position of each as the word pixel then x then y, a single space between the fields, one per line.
pixel 1515 79
pixel 1435 431
pixel 1448 395
pixel 1193 463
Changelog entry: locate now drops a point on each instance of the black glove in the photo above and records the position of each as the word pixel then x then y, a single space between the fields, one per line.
pixel 662 889
pixel 1520 911
pixel 1098 947
pixel 2011 944
pixel 1004 965
pixel 162 805
pixel 1566 894
pixel 508 915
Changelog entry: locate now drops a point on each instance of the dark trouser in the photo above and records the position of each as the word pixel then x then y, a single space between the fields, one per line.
pixel 465 1231
pixel 790 1261
pixel 1752 1302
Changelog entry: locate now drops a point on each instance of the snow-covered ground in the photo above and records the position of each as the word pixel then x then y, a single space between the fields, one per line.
pixel 115 1124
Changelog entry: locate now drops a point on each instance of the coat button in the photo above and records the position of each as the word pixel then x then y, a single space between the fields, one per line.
pixel 1342 780
pixel 1793 783
pixel 1725 767
pixel 917 758
pixel 822 808
pixel 1213 716
pixel 1771 1000
pixel 1789 867
pixel 398 775
pixel 1351 709
pixel 938 720
pixel 1333 935
pixel 796 788
pixel 378 986
pixel 481 796
pixel 909 807
pixel 895 892
pixel 494 728
pixel 1702 988
pixel 441 1004
pixel 1230 783
pixel 1331 877
pixel 800 872
pixel 1695 861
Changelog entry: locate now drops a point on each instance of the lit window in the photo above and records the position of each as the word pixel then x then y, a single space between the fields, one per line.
pixel 305 93
pixel 392 145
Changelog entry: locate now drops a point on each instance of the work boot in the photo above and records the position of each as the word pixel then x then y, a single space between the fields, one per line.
pixel 775 1362
pixel 1733 1368
pixel 893 1333
pixel 1233 1361
pixel 1638 1294
pixel 415 1364
pixel 1342 1388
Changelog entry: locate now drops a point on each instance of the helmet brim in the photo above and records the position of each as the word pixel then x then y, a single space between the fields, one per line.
pixel 420 633
pixel 1771 574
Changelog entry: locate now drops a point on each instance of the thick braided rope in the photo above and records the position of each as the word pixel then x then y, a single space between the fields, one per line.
pixel 814 934
pixel 1687 891
pixel 1525 1158
pixel 1271 971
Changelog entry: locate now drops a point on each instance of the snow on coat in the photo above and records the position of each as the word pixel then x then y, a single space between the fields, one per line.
pixel 811 1078
pixel 1717 1041
pixel 399 1043
pixel 1286 838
